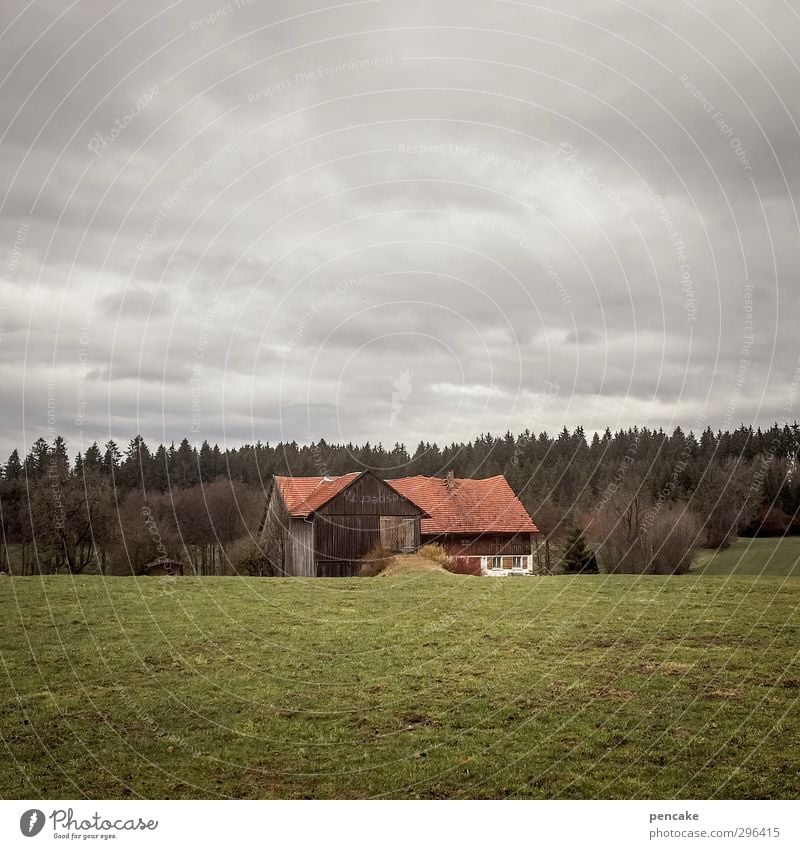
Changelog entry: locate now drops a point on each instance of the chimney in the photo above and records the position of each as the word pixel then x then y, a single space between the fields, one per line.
pixel 450 481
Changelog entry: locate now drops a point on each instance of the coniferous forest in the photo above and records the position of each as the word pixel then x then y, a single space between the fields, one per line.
pixel 646 500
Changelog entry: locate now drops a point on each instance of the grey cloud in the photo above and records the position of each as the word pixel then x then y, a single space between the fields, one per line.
pixel 582 194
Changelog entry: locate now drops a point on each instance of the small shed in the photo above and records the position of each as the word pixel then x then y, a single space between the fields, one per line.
pixel 163 566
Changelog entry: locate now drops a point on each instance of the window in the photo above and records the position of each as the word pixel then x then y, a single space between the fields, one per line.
pixel 517 562
pixel 495 562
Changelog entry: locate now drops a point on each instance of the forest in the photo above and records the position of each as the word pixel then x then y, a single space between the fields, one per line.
pixel 644 499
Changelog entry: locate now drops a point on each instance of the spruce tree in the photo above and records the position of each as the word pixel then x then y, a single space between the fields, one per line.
pixel 578 557
pixel 13 470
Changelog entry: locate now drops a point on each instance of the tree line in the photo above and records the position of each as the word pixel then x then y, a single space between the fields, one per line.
pixel 645 498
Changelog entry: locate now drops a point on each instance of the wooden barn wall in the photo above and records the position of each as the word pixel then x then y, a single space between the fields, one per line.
pixel 343 538
pixel 274 530
pixel 480 545
pixel 369 496
pixel 300 549
pixel 399 533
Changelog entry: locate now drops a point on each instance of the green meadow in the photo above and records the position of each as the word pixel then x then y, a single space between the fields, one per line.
pixel 753 557
pixel 424 685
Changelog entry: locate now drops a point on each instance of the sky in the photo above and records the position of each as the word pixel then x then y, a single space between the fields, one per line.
pixel 396 221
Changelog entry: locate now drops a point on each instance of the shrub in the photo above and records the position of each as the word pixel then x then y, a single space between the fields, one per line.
pixel 246 557
pixel 375 561
pixel 673 541
pixel 463 565
pixel 435 552
pixel 643 538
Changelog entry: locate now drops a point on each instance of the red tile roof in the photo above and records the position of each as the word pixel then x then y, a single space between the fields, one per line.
pixel 468 507
pixel 303 496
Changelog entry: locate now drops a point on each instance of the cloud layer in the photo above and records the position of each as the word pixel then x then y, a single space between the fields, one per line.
pixel 253 221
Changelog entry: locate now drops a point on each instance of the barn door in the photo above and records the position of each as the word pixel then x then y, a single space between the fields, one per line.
pixel 397 533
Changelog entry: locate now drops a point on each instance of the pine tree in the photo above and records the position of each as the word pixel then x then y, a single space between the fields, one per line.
pixel 13 470
pixel 206 463
pixel 160 477
pixel 59 458
pixel 111 457
pixel 183 471
pixel 93 458
pixel 578 557
pixel 135 469
pixel 36 461
pixel 217 463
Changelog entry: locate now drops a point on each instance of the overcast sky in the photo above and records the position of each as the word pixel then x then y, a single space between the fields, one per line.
pixel 396 220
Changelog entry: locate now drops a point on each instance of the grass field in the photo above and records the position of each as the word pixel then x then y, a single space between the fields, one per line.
pixel 755 557
pixel 419 686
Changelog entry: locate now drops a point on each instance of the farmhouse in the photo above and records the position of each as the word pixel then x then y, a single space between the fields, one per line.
pixel 323 526
pixel 482 523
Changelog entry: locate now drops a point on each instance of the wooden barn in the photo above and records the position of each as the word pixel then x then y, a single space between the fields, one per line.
pixel 323 526
pixel 480 522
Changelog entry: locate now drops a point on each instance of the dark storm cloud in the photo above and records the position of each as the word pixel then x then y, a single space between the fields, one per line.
pixel 246 220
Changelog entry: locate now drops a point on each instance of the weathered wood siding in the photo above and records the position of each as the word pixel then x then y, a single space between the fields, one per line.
pixel 341 532
pixel 274 531
pixel 299 561
pixel 349 525
pixel 345 537
pixel 399 533
pixel 289 543
pixel 479 545
pixel 369 496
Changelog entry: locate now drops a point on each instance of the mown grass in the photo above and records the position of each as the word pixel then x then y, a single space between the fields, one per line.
pixel 423 686
pixel 752 557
